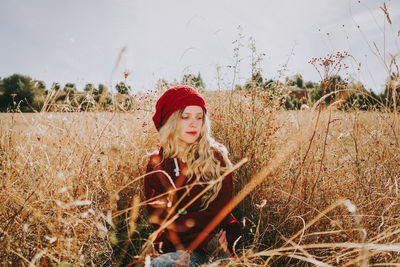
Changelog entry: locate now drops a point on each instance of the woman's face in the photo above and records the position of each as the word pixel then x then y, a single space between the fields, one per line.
pixel 190 124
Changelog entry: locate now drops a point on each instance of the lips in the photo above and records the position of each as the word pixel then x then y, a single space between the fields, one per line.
pixel 191 133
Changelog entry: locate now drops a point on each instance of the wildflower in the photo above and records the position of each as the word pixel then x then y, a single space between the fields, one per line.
pixel 126 73
pixel 51 239
pixel 262 204
pixel 350 206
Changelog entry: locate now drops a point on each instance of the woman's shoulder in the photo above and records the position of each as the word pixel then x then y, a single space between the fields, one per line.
pixel 219 151
pixel 155 158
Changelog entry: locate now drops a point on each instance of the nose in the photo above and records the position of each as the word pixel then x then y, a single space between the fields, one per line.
pixel 193 122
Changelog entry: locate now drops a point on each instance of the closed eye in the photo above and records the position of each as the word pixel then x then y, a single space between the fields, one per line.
pixel 185 117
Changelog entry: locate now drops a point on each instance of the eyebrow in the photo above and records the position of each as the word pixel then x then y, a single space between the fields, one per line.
pixel 188 113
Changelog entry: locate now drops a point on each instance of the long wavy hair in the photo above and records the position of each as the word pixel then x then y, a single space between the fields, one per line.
pixel 199 156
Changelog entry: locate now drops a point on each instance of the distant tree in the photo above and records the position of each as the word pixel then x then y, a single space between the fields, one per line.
pixel 316 93
pixel 1 86
pixel 270 86
pixel 299 81
pixel 102 98
pixel 56 86
pixel 237 87
pixel 359 101
pixel 296 80
pixel 41 85
pixel 331 86
pixel 20 92
pixel 90 88
pixel 268 83
pixel 102 89
pixel 393 82
pixel 122 88
pixel 292 103
pixel 70 88
pixel 162 85
pixel 376 100
pixel 290 82
pixel 357 97
pixel 256 81
pixel 310 85
pixel 193 81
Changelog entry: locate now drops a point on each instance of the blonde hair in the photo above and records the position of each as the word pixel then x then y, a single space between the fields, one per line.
pixel 199 156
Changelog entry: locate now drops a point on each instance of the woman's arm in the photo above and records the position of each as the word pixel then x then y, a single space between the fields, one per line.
pixel 198 220
pixel 155 187
pixel 160 195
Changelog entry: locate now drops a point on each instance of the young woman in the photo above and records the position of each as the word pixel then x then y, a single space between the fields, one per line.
pixel 189 161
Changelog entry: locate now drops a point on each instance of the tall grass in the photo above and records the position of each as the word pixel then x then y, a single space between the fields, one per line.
pixel 60 172
pixel 320 186
pixel 324 193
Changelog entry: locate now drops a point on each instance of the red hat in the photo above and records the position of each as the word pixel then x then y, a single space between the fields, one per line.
pixel 173 99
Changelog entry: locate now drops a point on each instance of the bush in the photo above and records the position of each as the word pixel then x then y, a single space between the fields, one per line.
pixel 20 93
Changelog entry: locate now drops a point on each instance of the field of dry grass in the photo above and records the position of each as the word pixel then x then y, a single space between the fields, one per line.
pixel 317 187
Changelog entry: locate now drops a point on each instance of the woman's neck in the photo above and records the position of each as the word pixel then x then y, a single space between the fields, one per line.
pixel 182 146
pixel 183 151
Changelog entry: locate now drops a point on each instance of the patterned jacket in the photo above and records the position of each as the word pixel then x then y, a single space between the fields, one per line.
pixel 192 221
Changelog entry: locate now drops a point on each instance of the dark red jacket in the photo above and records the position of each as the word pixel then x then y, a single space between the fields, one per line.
pixel 188 226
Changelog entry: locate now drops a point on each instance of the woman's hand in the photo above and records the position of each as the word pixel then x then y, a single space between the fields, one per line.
pixel 223 242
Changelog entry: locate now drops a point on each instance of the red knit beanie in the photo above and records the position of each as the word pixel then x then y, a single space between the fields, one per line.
pixel 173 99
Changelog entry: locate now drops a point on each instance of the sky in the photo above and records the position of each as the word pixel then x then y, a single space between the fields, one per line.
pixel 96 41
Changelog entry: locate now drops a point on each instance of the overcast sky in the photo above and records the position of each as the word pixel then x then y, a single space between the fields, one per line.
pixel 80 41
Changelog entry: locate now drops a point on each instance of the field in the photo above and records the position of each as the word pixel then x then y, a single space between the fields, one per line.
pixel 319 186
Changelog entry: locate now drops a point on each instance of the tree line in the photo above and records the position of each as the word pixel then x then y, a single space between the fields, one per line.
pixel 296 93
pixel 20 92
pixel 24 94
